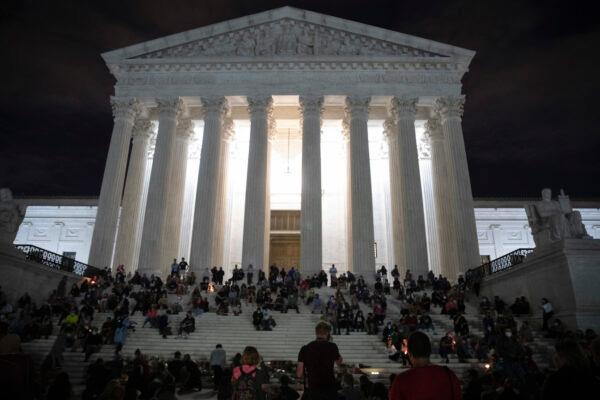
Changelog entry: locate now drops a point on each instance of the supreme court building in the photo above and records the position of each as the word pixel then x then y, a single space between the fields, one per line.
pixel 287 137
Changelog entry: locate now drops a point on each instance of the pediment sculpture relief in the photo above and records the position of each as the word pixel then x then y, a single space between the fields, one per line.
pixel 288 37
pixel 554 220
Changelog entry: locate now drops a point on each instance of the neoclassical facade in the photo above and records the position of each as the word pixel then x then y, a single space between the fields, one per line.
pixel 184 104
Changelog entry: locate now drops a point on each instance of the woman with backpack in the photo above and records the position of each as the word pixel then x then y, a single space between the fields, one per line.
pixel 248 380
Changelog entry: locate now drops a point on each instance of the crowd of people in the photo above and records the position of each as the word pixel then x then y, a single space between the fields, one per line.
pixel 505 347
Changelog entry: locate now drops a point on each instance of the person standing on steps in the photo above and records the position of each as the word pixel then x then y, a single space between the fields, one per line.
pixel 424 381
pixel 249 274
pixel 218 358
pixel 316 362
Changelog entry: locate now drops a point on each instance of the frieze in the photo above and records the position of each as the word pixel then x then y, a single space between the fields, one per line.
pixel 368 78
pixel 288 37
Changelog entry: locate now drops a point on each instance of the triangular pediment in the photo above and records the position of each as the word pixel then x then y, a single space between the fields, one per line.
pixel 288 33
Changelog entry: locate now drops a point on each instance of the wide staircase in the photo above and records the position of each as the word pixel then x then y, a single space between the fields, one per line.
pixel 365 353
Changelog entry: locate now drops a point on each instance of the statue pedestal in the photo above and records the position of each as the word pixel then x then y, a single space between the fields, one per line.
pixel 567 273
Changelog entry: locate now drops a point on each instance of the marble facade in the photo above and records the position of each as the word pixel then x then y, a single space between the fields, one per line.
pixel 357 127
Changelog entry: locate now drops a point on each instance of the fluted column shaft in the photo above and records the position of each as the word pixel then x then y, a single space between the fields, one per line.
pixel 311 250
pixel 255 218
pixel 410 241
pixel 424 147
pixel 459 183
pixel 207 194
pixel 129 224
pixel 103 238
pixel 362 245
pixel 176 191
pixel 152 247
pixel 447 243
pixel 222 171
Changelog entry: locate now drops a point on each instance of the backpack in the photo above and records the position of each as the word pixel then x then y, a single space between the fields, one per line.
pixel 245 388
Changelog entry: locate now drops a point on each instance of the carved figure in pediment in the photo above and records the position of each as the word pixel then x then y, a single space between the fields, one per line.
pixel 11 216
pixel 306 42
pixel 348 48
pixel 287 41
pixel 247 46
pixel 265 45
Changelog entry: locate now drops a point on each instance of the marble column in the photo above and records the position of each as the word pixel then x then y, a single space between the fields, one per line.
pixel 459 183
pixel 362 245
pixel 101 251
pixel 255 218
pixel 408 223
pixel 447 244
pixel 152 249
pixel 222 178
pixel 311 250
pixel 272 135
pixel 176 190
pixel 346 136
pixel 131 210
pixel 207 195
pixel 424 146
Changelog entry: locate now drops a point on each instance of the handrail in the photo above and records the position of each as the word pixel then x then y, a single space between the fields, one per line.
pixel 57 261
pixel 499 264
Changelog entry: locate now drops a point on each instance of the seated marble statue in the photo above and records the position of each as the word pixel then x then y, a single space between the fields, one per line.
pixel 11 216
pixel 554 220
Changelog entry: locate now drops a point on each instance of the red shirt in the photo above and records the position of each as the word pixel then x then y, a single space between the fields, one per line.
pixel 431 382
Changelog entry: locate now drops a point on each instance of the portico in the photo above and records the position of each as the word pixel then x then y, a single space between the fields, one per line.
pixel 211 111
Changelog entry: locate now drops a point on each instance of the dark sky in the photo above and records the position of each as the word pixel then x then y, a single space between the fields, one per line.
pixel 531 119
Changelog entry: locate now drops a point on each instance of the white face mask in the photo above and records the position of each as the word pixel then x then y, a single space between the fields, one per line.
pixel 508 334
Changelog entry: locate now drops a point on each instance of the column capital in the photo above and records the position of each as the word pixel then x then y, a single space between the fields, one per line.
pixel 259 104
pixel 214 105
pixel 228 129
pixel 346 127
pixel 171 107
pixel 272 125
pixel 358 106
pixel 185 128
pixel 403 107
pixel 311 104
pixel 450 107
pixel 424 146
pixel 142 129
pixel 433 128
pixel 390 129
pixel 125 108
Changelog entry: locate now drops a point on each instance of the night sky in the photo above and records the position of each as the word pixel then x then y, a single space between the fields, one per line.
pixel 531 119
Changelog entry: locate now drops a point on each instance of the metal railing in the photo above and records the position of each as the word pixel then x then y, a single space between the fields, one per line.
pixel 499 264
pixel 57 261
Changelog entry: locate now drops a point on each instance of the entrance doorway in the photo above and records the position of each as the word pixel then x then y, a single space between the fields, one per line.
pixel 284 248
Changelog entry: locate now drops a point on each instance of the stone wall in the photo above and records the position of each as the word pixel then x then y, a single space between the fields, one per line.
pixel 19 275
pixel 567 274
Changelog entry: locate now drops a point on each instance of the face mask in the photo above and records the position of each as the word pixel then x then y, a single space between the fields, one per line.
pixel 508 334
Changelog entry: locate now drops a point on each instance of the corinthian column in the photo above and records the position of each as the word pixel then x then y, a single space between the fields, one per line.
pixel 361 199
pixel 223 170
pixel 176 190
pixel 459 184
pixel 132 197
pixel 255 218
pixel 447 243
pixel 311 250
pixel 207 194
pixel 109 202
pixel 152 249
pixel 408 224
pixel 424 146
